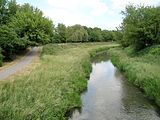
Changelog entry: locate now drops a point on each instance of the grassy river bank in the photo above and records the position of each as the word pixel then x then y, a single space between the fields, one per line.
pixel 142 68
pixel 53 87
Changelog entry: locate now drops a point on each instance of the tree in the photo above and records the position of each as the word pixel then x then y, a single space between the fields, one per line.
pixel 9 42
pixel 3 11
pixel 12 8
pixel 77 33
pixel 61 32
pixel 118 35
pixel 29 22
pixel 107 35
pixel 7 9
pixel 95 35
pixel 22 26
pixel 141 26
pixel 8 37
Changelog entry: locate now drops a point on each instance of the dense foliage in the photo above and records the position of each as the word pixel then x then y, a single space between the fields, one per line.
pixel 60 33
pixel 7 9
pixel 9 41
pixel 29 22
pixel 141 26
pixel 22 26
pixel 78 33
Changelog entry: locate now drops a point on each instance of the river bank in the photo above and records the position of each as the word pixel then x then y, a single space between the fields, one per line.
pixel 141 69
pixel 110 96
pixel 52 88
pixel 55 86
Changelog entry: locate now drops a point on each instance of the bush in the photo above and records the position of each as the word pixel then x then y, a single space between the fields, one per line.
pixel 153 50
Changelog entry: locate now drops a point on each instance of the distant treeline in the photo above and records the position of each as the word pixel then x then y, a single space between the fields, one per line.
pixel 78 33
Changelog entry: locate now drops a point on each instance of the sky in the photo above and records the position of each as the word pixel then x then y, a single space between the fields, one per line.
pixel 105 14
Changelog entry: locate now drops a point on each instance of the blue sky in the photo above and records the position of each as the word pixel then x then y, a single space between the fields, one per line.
pixel 92 13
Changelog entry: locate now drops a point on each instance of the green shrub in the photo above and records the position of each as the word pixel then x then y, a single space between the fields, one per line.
pixel 155 50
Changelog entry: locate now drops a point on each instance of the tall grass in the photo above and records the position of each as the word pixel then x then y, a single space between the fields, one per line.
pixel 52 88
pixel 142 69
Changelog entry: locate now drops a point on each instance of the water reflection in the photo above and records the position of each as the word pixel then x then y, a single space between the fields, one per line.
pixel 110 97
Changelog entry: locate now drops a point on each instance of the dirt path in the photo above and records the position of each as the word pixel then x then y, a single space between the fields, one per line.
pixel 19 65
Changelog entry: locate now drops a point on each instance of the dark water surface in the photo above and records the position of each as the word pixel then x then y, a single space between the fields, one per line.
pixel 110 97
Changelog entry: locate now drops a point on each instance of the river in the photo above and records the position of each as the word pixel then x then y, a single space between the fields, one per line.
pixel 109 96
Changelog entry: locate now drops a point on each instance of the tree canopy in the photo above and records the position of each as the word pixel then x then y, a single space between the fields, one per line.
pixel 141 26
pixel 78 33
pixel 60 33
pixel 22 26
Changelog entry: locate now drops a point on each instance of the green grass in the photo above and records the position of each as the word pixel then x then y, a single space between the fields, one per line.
pixel 142 69
pixel 54 87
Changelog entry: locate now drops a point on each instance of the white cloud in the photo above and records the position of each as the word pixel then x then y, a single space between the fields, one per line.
pixel 120 4
pixel 97 7
pixel 100 13
pixel 68 18
pixel 72 12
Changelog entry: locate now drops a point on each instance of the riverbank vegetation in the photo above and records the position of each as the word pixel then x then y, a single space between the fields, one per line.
pixel 53 87
pixel 141 69
pixel 139 57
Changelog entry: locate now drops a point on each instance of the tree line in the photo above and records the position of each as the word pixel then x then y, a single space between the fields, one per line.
pixel 140 27
pixel 78 33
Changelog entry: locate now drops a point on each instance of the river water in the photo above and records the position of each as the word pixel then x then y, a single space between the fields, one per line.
pixel 110 97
